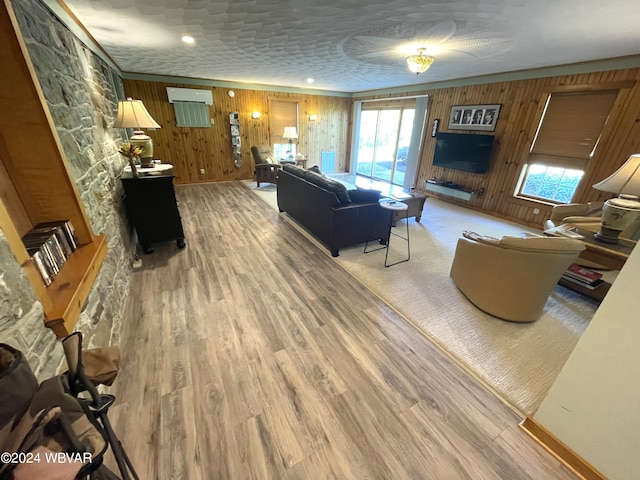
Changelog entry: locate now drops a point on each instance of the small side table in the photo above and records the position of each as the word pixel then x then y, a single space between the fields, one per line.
pixel 393 207
pixel 301 162
pixel 415 202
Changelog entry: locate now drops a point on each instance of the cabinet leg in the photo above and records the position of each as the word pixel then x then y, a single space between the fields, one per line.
pixel 181 243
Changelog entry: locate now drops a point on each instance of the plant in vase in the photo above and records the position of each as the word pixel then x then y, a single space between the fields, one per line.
pixel 132 152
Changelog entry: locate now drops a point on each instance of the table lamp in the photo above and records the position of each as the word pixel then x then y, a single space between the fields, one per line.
pixel 133 114
pixel 620 212
pixel 290 133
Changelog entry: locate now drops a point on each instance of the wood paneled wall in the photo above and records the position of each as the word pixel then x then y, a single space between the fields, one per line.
pixel 192 149
pixel 519 116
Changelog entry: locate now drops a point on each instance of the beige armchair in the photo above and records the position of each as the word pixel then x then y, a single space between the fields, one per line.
pixel 512 277
pixel 587 214
pixel 266 164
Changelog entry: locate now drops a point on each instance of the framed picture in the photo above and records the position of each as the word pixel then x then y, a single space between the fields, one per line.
pixel 474 117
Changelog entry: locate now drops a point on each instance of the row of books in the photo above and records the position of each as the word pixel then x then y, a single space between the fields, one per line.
pixel 582 276
pixel 50 244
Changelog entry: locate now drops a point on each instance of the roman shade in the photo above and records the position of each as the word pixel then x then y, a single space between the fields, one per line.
pixel 281 114
pixel 570 128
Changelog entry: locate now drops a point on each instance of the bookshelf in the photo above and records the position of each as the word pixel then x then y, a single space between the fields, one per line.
pixel 35 185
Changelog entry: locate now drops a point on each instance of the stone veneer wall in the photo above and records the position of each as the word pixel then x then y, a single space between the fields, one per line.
pixel 82 92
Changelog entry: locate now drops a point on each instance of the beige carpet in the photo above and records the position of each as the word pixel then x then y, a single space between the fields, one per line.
pixel 519 361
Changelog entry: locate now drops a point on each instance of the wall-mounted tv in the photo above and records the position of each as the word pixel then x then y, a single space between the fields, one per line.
pixel 463 151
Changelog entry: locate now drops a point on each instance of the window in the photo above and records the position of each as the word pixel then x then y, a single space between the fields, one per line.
pixel 551 183
pixel 383 145
pixel 566 139
pixel 282 114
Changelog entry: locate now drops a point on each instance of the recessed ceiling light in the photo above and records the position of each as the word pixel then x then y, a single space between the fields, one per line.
pixel 188 39
pixel 310 80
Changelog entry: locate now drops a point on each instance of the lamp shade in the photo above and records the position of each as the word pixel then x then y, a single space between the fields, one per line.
pixel 625 180
pixel 290 132
pixel 419 63
pixel 133 114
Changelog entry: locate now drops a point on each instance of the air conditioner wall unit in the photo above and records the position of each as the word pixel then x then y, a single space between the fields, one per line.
pixel 189 95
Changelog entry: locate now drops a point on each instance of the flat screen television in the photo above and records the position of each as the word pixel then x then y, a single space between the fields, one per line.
pixel 463 151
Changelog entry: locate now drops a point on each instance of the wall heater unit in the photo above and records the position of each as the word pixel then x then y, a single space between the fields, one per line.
pixel 327 162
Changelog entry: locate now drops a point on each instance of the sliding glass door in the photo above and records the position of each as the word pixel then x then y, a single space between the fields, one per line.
pixel 383 145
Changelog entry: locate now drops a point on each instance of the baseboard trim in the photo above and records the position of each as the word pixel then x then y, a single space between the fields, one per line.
pixel 573 461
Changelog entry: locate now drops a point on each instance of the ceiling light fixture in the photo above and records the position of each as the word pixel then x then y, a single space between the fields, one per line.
pixel 188 39
pixel 419 63
pixel 310 80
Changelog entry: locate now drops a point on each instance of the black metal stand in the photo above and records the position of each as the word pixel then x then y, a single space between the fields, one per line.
pixel 391 207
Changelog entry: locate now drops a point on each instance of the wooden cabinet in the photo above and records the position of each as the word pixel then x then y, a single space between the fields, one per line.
pixel 153 210
pixel 35 185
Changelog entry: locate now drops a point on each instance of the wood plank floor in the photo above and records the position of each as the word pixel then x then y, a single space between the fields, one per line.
pixel 252 354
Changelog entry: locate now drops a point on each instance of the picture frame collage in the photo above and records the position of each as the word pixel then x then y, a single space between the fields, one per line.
pixel 474 117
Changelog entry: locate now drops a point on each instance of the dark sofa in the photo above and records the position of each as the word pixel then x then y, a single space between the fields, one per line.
pixel 337 216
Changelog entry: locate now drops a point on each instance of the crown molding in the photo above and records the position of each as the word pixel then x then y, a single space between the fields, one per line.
pixel 203 82
pixel 618 63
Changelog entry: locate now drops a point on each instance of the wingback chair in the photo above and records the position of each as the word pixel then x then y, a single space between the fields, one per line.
pixel 512 277
pixel 266 164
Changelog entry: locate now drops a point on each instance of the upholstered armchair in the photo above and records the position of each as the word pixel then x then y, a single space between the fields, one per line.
pixel 266 164
pixel 587 214
pixel 584 213
pixel 512 277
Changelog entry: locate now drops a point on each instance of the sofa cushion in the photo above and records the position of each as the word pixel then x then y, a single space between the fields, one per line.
pixel 362 195
pixel 323 182
pixel 294 170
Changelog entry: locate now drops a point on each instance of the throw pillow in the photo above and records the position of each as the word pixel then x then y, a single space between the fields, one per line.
pixel 294 170
pixel 481 238
pixel 315 168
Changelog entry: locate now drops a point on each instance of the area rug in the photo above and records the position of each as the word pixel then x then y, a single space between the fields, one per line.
pixel 518 361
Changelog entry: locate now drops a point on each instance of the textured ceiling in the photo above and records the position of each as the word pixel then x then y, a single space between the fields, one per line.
pixel 355 45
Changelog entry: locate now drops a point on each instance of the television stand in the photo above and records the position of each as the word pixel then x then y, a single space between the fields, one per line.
pixel 453 190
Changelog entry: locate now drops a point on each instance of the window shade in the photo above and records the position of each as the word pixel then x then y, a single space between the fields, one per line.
pixel 191 114
pixel 572 123
pixel 282 114
pixel 556 161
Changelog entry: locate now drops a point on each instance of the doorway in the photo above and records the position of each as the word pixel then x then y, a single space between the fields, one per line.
pixel 384 140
